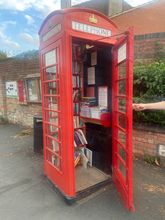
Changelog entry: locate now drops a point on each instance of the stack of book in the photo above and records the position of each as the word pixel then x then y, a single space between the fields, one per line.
pixel 79 138
pixel 85 111
pixel 95 112
pixel 89 101
pixel 86 104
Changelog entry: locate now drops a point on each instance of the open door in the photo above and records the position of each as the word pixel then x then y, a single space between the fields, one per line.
pixel 122 83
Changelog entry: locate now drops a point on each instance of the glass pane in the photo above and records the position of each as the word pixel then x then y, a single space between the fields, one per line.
pixel 56 161
pixel 122 53
pixel 122 121
pixel 52 88
pixel 53 159
pixel 51 73
pixel 32 89
pixel 53 131
pixel 122 87
pixel 122 152
pixel 50 58
pixel 122 104
pixel 51 103
pixel 122 69
pixel 121 136
pixel 122 169
pixel 53 145
pixel 52 117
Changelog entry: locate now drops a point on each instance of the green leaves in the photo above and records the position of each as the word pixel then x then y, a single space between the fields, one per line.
pixel 149 86
pixel 3 55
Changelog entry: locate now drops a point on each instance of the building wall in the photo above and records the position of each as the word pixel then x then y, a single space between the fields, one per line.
pixel 22 113
pixel 145 19
pixel 146 141
pixel 107 7
pixel 98 5
pixel 10 108
pixel 149 47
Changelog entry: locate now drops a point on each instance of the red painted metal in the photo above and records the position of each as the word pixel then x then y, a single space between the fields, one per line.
pixel 63 175
pixel 123 176
pixel 21 91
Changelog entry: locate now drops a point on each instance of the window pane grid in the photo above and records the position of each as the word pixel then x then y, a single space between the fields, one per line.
pixel 51 108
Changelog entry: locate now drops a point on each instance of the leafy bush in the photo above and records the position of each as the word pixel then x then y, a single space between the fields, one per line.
pixel 149 86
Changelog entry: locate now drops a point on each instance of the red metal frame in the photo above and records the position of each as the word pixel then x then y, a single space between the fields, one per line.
pixel 64 176
pixel 123 182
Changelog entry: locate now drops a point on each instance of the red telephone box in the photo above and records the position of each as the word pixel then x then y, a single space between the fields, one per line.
pixel 86 76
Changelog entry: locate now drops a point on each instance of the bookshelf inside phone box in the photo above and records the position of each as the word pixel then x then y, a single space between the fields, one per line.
pixel 86 101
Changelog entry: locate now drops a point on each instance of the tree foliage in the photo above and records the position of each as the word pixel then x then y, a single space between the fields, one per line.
pixel 149 86
pixel 3 55
pixel 31 54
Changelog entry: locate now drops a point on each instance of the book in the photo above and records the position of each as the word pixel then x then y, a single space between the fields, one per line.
pixel 79 138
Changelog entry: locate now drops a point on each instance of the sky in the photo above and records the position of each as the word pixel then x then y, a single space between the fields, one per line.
pixel 20 21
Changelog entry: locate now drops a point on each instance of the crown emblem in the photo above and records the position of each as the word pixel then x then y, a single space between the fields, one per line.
pixel 93 19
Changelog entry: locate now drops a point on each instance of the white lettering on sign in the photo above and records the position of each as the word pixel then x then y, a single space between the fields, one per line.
pixel 91 29
pixel 122 53
pixel 55 30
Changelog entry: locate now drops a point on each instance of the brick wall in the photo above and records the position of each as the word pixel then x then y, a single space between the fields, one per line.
pixel 149 46
pixel 10 108
pixel 146 141
pixel 21 114
pixel 15 69
pixel 145 19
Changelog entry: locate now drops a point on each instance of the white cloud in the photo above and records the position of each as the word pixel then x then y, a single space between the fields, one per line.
pixel 33 40
pixel 4 39
pixel 44 6
pixel 9 23
pixel 29 19
pixel 10 43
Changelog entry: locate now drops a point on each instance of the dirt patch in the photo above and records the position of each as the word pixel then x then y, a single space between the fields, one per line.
pixel 26 132
pixel 154 188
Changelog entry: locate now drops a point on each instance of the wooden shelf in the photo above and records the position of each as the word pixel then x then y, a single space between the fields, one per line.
pixel 90 120
pixel 104 120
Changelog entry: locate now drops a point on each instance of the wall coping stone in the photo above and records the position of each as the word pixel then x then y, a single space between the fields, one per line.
pixel 149 128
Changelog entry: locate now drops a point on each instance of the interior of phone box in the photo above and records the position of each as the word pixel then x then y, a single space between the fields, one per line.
pixel 92 101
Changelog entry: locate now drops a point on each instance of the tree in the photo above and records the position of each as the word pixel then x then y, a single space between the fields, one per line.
pixel 3 55
pixel 31 54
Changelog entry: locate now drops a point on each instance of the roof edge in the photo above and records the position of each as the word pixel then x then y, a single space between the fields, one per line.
pixel 70 10
pixel 135 8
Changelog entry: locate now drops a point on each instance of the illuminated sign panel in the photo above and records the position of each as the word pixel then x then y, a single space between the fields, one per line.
pixel 91 29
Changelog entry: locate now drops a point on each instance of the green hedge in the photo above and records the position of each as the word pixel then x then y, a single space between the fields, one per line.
pixel 149 86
